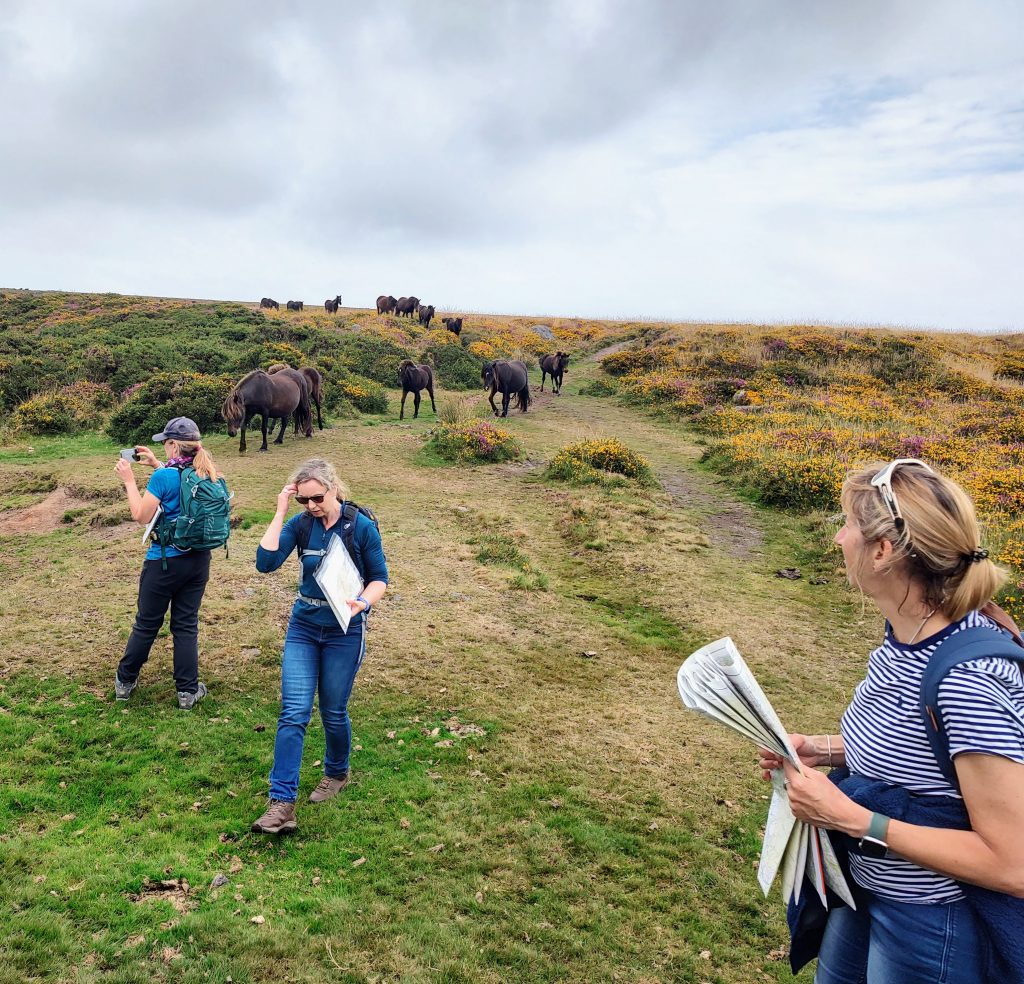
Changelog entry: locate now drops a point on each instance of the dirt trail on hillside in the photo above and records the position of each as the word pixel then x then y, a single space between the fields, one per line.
pixel 42 517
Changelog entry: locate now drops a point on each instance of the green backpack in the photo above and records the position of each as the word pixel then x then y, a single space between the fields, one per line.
pixel 204 522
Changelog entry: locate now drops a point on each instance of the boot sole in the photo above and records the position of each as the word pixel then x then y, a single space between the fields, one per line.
pixel 287 828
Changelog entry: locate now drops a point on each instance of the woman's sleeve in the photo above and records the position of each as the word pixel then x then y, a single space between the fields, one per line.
pixel 982 707
pixel 271 560
pixel 374 564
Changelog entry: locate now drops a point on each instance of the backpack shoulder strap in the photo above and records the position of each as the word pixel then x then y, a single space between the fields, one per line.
pixel 303 532
pixel 979 642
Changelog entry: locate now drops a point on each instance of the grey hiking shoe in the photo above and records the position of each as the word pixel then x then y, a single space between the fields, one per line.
pixel 328 788
pixel 187 701
pixel 279 818
pixel 122 691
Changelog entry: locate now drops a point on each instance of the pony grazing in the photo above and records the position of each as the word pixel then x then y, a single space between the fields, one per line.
pixel 413 379
pixel 271 397
pixel 553 366
pixel 511 379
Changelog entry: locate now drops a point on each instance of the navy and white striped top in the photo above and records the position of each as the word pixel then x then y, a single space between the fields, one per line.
pixel 982 707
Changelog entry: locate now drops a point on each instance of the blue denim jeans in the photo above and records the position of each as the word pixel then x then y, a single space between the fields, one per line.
pixel 889 942
pixel 316 658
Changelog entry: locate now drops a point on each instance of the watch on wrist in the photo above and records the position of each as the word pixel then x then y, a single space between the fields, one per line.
pixel 873 843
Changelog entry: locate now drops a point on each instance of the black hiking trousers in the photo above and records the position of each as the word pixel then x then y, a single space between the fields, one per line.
pixel 181 587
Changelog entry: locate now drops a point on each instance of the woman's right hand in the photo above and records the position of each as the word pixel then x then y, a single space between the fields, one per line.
pixel 284 498
pixel 804 745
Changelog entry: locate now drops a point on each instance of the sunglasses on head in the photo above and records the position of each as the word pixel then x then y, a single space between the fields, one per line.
pixel 303 499
pixel 883 482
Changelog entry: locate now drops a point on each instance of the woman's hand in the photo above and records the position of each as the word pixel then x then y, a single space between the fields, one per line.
pixel 284 498
pixel 146 456
pixel 804 745
pixel 355 606
pixel 124 471
pixel 815 799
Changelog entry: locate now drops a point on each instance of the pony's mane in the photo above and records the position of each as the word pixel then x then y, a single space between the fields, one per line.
pixel 248 375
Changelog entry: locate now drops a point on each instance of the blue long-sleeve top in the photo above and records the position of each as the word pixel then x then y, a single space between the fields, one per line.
pixel 366 546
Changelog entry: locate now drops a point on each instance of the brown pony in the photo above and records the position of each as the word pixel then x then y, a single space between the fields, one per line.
pixel 511 379
pixel 413 379
pixel 270 397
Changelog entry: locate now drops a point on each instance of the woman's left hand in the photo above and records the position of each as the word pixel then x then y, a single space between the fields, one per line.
pixel 815 799
pixel 124 470
pixel 355 607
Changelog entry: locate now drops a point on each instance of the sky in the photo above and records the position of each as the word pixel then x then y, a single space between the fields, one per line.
pixel 741 160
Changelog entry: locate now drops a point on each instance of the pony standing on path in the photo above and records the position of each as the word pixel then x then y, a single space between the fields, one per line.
pixel 511 379
pixel 270 397
pixel 554 366
pixel 413 379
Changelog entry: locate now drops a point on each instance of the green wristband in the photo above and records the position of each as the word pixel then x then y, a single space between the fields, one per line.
pixel 878 827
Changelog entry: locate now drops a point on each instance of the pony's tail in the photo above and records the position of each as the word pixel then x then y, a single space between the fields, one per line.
pixel 524 398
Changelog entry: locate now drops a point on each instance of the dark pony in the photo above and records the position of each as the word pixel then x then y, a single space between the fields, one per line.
pixel 553 366
pixel 511 380
pixel 270 397
pixel 331 307
pixel 316 387
pixel 413 379
pixel 302 418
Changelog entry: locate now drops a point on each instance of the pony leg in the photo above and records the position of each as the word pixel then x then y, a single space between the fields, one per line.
pixel 401 413
pixel 319 419
pixel 433 407
pixel 263 427
pixel 416 403
pixel 493 407
pixel 542 375
pixel 506 398
pixel 280 434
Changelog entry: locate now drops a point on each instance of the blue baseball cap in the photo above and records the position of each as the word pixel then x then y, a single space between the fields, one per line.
pixel 179 429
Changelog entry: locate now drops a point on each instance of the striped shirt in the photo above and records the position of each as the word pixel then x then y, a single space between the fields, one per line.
pixel 982 708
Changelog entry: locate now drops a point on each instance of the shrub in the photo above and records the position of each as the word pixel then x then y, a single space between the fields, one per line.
pixel 99 364
pixel 477 440
pixel 265 355
pixel 1011 366
pixel 167 395
pixel 374 357
pixel 599 387
pixel 455 367
pixel 366 395
pixel 598 461
pixel 95 396
pixel 53 413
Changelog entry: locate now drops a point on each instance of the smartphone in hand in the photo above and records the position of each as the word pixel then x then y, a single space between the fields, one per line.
pixel 130 454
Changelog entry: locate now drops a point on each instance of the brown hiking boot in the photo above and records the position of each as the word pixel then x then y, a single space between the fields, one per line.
pixel 279 818
pixel 328 788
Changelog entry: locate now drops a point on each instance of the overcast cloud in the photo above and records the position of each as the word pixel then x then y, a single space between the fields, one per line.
pixel 737 160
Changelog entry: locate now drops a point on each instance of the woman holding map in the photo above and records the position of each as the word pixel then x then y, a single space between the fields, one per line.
pixel 930 792
pixel 321 654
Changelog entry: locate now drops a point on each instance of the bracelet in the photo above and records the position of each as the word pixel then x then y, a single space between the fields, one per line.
pixel 828 739
pixel 366 610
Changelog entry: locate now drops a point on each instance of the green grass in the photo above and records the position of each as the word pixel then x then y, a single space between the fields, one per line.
pixel 100 799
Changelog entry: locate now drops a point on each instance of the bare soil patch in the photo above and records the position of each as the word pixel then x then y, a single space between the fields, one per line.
pixel 732 524
pixel 43 517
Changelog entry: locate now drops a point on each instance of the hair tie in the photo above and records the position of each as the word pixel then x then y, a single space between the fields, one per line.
pixel 976 555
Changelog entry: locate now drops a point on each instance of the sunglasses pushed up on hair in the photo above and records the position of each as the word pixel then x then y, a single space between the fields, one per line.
pixel 883 482
pixel 303 499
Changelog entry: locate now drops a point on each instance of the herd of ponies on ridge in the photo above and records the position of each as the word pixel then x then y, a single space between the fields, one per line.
pixel 281 392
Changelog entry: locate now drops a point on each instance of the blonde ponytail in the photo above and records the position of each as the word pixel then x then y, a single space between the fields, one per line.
pixel 202 460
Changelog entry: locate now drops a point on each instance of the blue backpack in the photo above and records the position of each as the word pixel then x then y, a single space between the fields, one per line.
pixel 962 647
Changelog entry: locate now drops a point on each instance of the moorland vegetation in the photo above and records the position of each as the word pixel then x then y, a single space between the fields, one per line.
pixel 529 801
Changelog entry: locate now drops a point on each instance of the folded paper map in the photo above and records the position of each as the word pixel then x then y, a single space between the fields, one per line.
pixel 716 682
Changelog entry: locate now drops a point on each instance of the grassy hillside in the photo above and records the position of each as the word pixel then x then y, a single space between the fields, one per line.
pixel 530 801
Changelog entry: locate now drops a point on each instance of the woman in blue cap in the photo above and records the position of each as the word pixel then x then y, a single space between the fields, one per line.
pixel 174 579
